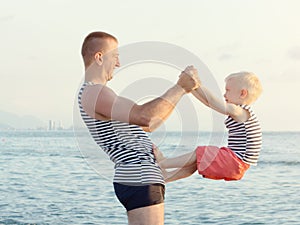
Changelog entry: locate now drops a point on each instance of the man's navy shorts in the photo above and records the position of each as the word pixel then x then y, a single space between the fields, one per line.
pixel 133 197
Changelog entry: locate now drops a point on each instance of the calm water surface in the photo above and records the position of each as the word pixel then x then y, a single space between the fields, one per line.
pixel 48 178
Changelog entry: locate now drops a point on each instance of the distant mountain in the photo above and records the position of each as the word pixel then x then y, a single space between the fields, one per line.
pixel 10 120
pixel 4 126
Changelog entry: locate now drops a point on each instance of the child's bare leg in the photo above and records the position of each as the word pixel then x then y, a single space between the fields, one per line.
pixel 185 160
pixel 179 173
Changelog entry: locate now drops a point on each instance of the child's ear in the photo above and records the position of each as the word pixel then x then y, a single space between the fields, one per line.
pixel 244 93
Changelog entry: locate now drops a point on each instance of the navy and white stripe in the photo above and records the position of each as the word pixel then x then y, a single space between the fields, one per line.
pixel 245 139
pixel 128 146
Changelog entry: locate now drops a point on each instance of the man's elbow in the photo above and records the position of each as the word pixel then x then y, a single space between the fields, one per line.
pixel 139 116
pixel 149 124
pixel 143 118
pixel 145 121
pixel 140 119
pixel 155 123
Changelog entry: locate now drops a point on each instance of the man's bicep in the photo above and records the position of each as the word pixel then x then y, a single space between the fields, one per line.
pixel 113 106
pixel 104 102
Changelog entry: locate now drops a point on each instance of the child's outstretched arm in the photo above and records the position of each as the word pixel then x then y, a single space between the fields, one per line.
pixel 204 95
pixel 210 100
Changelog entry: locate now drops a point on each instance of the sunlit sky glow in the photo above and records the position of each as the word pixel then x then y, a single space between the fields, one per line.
pixel 40 45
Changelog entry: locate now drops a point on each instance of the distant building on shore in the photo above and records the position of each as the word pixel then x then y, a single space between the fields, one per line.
pixel 55 126
pixel 51 125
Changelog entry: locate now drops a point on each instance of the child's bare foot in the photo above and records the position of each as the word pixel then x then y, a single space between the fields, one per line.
pixel 165 173
pixel 158 154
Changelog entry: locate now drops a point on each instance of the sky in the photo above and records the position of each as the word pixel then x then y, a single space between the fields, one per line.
pixel 41 66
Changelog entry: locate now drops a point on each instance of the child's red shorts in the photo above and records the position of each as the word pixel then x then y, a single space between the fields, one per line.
pixel 219 163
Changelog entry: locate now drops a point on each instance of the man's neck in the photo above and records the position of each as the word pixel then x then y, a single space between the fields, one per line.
pixel 94 75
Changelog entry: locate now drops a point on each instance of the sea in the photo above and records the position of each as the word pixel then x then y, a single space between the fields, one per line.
pixel 62 177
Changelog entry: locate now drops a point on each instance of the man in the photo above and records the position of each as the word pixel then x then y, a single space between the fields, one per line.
pixel 118 126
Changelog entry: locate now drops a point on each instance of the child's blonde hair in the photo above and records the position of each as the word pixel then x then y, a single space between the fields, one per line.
pixel 248 81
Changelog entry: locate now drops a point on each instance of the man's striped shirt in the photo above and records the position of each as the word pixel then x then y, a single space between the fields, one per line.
pixel 128 146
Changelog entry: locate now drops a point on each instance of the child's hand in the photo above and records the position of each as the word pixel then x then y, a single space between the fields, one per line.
pixel 192 71
pixel 188 79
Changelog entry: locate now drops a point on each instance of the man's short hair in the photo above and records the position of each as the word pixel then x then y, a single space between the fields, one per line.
pixel 92 44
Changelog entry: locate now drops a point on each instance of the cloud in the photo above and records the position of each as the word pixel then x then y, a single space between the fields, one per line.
pixel 294 52
pixel 226 56
pixel 228 52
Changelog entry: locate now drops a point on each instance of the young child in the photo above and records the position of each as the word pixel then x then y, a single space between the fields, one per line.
pixel 244 133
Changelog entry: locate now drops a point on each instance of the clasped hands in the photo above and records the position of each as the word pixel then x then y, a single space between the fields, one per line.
pixel 189 79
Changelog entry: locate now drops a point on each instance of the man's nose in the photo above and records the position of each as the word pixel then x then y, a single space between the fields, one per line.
pixel 118 63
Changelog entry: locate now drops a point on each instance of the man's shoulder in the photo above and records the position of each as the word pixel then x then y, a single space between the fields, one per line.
pixel 97 89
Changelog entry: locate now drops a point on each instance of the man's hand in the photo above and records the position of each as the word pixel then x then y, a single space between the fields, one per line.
pixel 189 79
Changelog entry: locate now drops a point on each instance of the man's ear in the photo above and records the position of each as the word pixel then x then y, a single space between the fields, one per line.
pixel 244 93
pixel 99 58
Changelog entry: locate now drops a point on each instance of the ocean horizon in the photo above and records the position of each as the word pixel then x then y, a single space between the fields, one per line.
pixel 61 177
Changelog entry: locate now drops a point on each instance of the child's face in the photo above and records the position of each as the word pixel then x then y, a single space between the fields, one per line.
pixel 233 92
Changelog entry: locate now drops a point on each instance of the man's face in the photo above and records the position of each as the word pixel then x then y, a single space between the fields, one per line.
pixel 111 58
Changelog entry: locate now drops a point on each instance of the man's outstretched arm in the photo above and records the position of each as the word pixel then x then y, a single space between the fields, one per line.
pixel 99 100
